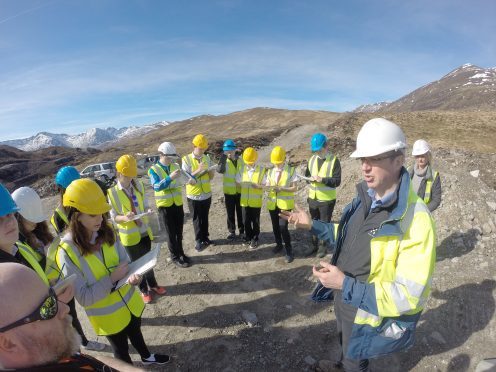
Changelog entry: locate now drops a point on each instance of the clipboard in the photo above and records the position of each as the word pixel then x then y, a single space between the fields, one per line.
pixel 304 178
pixel 141 265
pixel 138 216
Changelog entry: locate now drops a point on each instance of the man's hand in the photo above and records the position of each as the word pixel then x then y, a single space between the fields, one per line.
pixel 329 275
pixel 174 174
pixel 317 178
pixel 119 273
pixel 129 216
pixel 134 279
pixel 300 218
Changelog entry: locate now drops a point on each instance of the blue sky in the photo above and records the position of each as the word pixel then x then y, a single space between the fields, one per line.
pixel 67 66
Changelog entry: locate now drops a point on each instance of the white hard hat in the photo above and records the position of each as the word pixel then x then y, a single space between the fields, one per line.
pixel 378 136
pixel 168 149
pixel 420 147
pixel 29 203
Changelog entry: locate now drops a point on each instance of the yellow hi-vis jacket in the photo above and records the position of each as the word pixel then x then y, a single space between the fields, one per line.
pixel 171 194
pixel 250 196
pixel 129 232
pixel 318 190
pixel 229 176
pixel 428 187
pixel 202 185
pixel 33 258
pixel 59 211
pixel 111 312
pixel 283 199
pixel 403 256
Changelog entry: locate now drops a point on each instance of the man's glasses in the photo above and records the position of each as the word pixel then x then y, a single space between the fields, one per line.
pixel 45 311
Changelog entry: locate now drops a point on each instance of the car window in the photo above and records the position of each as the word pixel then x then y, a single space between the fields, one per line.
pixel 107 166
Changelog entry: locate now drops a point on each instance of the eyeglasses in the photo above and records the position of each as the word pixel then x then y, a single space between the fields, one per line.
pixel 376 159
pixel 45 311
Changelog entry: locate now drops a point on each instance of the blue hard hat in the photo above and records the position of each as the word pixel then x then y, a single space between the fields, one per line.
pixel 318 141
pixel 7 204
pixel 66 175
pixel 229 145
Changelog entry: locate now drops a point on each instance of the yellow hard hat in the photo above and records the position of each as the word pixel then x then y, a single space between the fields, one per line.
pixel 250 155
pixel 278 155
pixel 86 196
pixel 200 141
pixel 126 165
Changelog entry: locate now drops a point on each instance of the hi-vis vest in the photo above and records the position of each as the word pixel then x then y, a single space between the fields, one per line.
pixel 33 258
pixel 283 199
pixel 111 314
pixel 171 194
pixel 129 232
pixel 59 211
pixel 229 177
pixel 318 190
pixel 251 197
pixel 202 185
pixel 428 187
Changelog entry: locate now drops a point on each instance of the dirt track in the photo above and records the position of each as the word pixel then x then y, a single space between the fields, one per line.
pixel 202 321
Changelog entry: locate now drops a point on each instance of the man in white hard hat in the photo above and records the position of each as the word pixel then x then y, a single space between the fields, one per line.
pixel 384 258
pixel 169 200
pixel 425 180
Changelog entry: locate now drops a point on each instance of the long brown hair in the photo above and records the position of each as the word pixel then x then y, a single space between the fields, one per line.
pixel 39 234
pixel 81 238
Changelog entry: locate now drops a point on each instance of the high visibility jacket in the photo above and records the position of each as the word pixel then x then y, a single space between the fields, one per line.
pixel 52 271
pixel 403 256
pixel 318 190
pixel 428 187
pixel 251 197
pixel 202 185
pixel 283 199
pixel 111 314
pixel 229 176
pixel 59 211
pixel 33 258
pixel 129 232
pixel 170 195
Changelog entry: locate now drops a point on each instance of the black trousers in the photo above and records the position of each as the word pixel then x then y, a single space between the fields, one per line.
pixel 345 316
pixel 173 218
pixel 119 343
pixel 251 220
pixel 322 210
pixel 233 209
pixel 135 252
pixel 200 209
pixel 280 229
pixel 75 321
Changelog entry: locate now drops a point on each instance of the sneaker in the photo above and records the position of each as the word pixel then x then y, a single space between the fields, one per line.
pixel 186 259
pixel 94 346
pixel 246 241
pixel 289 259
pixel 156 359
pixel 208 242
pixel 254 244
pixel 231 236
pixel 277 248
pixel 147 297
pixel 159 290
pixel 199 246
pixel 179 262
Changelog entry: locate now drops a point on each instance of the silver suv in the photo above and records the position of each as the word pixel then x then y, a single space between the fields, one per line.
pixel 101 171
pixel 145 163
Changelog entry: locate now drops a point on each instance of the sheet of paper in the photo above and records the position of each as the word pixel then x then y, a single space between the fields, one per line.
pixel 141 265
pixel 140 215
pixel 304 178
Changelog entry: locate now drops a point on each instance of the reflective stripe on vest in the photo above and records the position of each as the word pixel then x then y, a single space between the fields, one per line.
pixel 202 185
pixel 317 190
pixel 170 195
pixel 283 199
pixel 111 314
pixel 405 292
pixel 52 271
pixel 229 177
pixel 428 188
pixel 59 211
pixel 129 232
pixel 251 197
pixel 30 256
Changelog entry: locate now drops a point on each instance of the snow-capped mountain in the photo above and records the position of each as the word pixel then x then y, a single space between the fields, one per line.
pixel 95 137
pixel 468 87
pixel 373 107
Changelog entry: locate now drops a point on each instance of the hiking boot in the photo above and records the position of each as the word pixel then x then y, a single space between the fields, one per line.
pixel 231 236
pixel 147 297
pixel 289 258
pixel 156 359
pixel 254 244
pixel 159 290
pixel 93 346
pixel 277 248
